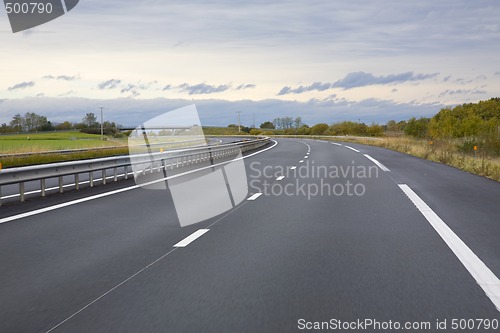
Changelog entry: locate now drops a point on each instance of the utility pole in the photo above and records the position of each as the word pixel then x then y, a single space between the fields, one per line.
pixel 102 128
pixel 239 123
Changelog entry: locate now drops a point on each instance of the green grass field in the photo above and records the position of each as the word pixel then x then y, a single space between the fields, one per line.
pixel 41 142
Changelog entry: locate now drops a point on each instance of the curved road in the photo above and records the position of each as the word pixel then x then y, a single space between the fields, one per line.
pixel 335 236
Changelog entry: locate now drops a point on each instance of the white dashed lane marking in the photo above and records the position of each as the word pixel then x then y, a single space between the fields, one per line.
pixel 191 238
pixel 353 149
pixel 255 196
pixel 380 165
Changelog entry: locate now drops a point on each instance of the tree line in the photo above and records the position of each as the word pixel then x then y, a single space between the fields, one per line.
pixel 32 122
pixel 475 124
pixel 479 121
pixel 291 126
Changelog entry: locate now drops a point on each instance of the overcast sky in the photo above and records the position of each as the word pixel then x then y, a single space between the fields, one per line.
pixel 323 60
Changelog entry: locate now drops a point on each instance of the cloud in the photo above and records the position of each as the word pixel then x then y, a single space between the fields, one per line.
pixel 356 80
pixel 245 86
pixel 128 88
pixel 317 86
pixel 132 89
pixel 203 88
pixel 67 93
pixel 61 77
pixel 22 85
pixel 362 79
pixel 463 81
pixel 109 84
pixel 449 92
pixel 134 93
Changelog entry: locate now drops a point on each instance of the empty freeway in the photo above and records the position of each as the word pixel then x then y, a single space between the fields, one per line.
pixel 330 232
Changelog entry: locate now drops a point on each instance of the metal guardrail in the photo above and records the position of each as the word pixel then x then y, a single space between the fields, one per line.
pixel 147 162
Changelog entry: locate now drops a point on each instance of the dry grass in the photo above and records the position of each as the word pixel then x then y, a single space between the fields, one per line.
pixel 441 151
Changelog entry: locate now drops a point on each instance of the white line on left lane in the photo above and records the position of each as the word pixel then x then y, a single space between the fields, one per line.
pixel 255 196
pixel 191 238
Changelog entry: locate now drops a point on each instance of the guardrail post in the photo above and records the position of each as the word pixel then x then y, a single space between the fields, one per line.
pixel 21 191
pixel 115 178
pixel 42 187
pixel 60 184
pixel 126 171
pixel 91 178
pixel 77 181
pixel 104 176
pixel 0 196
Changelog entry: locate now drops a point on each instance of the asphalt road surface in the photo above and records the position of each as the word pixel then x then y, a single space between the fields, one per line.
pixel 335 237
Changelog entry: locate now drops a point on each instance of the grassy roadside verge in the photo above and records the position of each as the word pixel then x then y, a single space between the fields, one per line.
pixel 52 141
pixel 441 151
pixel 46 147
pixel 17 161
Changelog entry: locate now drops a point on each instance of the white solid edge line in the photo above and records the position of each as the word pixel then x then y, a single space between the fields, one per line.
pixel 191 238
pixel 255 196
pixel 484 277
pixel 354 149
pixel 77 201
pixel 280 178
pixel 380 165
pixel 64 204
